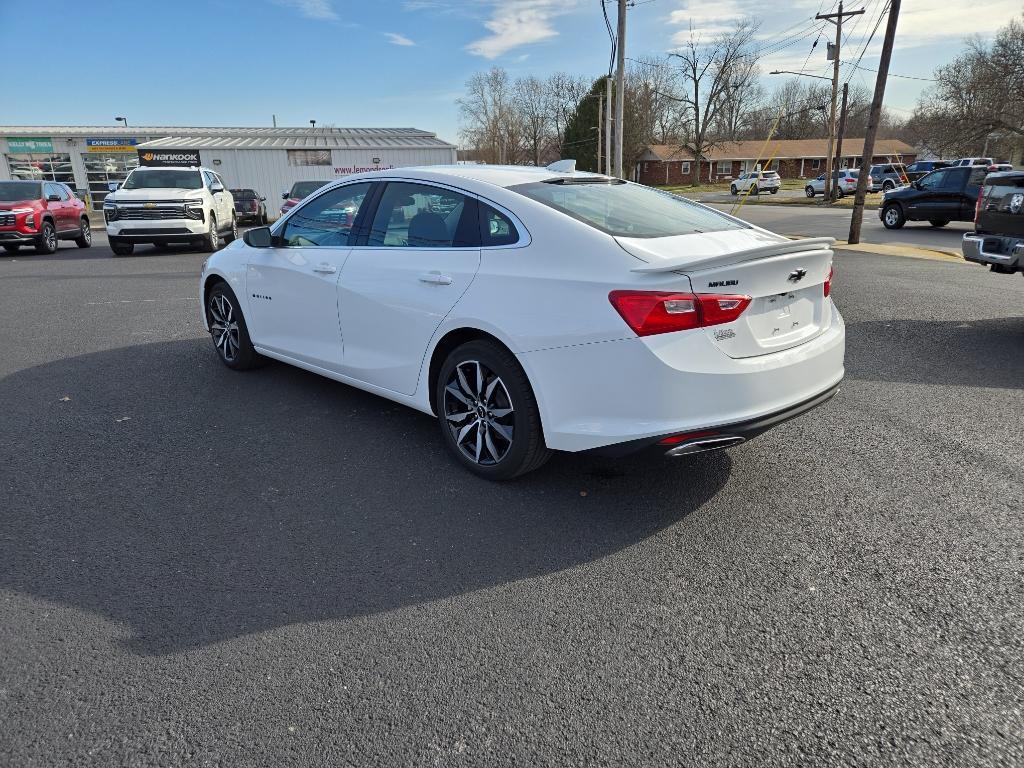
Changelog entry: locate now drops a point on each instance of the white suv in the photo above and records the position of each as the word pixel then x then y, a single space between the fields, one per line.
pixel 170 205
pixel 757 182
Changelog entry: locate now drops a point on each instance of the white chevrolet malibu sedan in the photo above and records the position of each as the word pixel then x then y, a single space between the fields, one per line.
pixel 534 310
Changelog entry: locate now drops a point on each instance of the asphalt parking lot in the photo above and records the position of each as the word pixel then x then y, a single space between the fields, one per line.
pixel 202 567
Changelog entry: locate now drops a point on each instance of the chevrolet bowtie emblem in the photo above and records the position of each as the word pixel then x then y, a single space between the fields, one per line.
pixel 797 275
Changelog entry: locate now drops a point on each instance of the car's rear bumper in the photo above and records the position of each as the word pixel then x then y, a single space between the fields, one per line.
pixel 640 390
pixel 1005 252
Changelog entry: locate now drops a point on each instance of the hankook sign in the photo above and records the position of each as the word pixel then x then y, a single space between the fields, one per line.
pixel 169 157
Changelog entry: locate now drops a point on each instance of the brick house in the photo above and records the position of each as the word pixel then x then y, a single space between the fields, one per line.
pixel 666 164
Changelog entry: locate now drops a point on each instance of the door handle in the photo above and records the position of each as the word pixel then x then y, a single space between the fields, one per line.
pixel 325 268
pixel 435 278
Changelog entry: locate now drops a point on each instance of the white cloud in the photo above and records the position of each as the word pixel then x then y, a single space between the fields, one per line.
pixel 707 19
pixel 515 23
pixel 396 39
pixel 312 9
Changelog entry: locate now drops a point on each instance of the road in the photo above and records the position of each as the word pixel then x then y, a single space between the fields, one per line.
pixel 202 567
pixel 811 221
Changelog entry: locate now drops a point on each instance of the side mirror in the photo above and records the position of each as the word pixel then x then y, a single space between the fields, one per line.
pixel 284 195
pixel 215 188
pixel 113 186
pixel 53 198
pixel 259 237
pixel 262 199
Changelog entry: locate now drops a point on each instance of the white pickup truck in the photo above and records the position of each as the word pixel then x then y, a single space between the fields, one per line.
pixel 170 205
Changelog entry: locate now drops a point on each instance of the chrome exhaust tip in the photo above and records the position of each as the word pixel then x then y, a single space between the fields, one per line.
pixel 704 444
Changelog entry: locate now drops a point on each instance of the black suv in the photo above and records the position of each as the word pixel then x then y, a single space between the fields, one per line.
pixel 916 170
pixel 998 237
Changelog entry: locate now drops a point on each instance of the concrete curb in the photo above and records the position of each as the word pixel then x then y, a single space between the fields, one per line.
pixel 896 249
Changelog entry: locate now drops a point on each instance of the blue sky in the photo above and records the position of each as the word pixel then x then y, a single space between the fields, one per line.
pixel 394 62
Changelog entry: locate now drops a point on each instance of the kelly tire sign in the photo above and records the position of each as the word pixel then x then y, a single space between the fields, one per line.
pixel 183 158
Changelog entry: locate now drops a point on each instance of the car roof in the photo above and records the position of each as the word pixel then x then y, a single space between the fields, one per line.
pixel 497 175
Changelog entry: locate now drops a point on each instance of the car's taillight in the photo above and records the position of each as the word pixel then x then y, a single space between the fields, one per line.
pixel 652 312
pixel 828 280
pixel 977 205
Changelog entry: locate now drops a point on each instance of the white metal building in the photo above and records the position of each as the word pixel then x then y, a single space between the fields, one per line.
pixel 268 160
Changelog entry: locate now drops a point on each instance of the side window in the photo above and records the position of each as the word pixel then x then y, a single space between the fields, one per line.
pixel 326 220
pixel 422 216
pixel 64 192
pixel 51 189
pixel 935 180
pixel 209 179
pixel 977 176
pixel 496 228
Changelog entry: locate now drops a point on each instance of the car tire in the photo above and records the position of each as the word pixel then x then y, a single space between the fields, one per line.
pixel 938 222
pixel 212 240
pixel 809 190
pixel 84 240
pixel 754 190
pixel 733 190
pixel 120 248
pixel 232 234
pixel 263 219
pixel 892 217
pixel 228 330
pixel 888 186
pixel 47 241
pixel 11 247
pixel 774 191
pixel 497 433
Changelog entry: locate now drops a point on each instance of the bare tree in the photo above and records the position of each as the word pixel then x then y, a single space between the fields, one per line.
pixel 707 72
pixel 530 102
pixel 978 98
pixel 741 102
pixel 488 117
pixel 564 93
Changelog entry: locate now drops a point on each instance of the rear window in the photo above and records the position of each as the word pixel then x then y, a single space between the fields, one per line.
pixel 243 194
pixel 627 210
pixel 999 192
pixel 771 175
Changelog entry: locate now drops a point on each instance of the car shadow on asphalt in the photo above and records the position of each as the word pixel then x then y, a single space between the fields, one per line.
pixel 972 353
pixel 193 504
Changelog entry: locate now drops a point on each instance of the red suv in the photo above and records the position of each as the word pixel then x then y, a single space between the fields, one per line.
pixel 41 213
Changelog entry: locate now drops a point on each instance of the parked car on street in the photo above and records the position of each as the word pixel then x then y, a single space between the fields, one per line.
pixel 715 328
pixel 757 182
pixel 41 214
pixel 844 180
pixel 918 169
pixel 986 161
pixel 299 191
pixel 999 167
pixel 998 237
pixel 170 205
pixel 250 206
pixel 886 176
pixel 945 195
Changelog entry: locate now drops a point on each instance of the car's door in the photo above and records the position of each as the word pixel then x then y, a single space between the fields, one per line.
pixel 57 207
pixel 420 255
pixel 925 201
pixel 292 286
pixel 68 208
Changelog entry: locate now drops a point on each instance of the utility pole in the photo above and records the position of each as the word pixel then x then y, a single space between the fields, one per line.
pixel 873 120
pixel 620 86
pixel 842 126
pixel 608 127
pixel 600 122
pixel 837 19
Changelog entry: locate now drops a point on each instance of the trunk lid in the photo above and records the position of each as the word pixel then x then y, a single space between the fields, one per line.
pixel 783 277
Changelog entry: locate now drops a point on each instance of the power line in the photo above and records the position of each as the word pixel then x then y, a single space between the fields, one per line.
pixel 891 74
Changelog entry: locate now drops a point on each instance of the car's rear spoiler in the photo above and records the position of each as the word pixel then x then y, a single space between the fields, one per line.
pixel 690 261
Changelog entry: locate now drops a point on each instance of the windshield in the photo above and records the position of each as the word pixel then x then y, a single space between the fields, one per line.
pixel 243 194
pixel 627 210
pixel 164 179
pixel 303 189
pixel 12 191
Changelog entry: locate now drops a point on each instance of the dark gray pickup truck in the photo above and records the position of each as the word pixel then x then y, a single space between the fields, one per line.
pixel 998 237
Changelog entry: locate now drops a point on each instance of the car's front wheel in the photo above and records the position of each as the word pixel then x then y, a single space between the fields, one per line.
pixel 733 190
pixel 938 222
pixel 84 240
pixel 213 236
pixel 233 234
pixel 488 414
pixel 228 329
pixel 892 216
pixel 809 190
pixel 773 191
pixel 121 248
pixel 47 241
